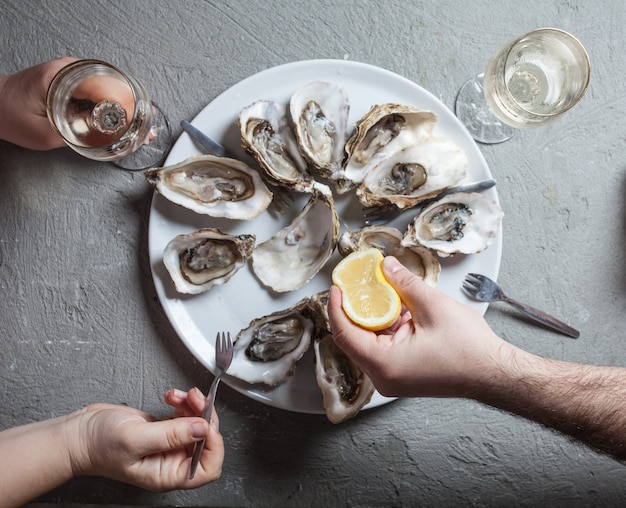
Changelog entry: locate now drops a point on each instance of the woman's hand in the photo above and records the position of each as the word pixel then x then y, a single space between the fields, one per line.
pixel 23 117
pixel 132 446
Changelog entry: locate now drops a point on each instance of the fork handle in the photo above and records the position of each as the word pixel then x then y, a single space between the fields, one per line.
pixel 543 318
pixel 206 414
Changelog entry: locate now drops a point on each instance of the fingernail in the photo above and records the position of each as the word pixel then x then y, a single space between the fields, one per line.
pixel 198 431
pixel 179 394
pixel 391 264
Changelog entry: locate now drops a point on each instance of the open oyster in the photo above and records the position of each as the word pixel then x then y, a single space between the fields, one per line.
pixel 394 158
pixel 463 222
pixel 292 257
pixel 267 136
pixel 420 260
pixel 200 260
pixel 383 130
pixel 215 186
pixel 414 173
pixel 266 351
pixel 319 112
pixel 345 387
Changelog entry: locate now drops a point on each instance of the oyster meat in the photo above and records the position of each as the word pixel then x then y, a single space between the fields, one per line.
pixel 345 387
pixel 319 112
pixel 266 351
pixel 294 255
pixel 200 260
pixel 420 260
pixel 463 222
pixel 267 136
pixel 215 186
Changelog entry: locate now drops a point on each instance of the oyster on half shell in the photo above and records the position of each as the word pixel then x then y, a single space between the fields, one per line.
pixel 383 130
pixel 414 173
pixel 200 260
pixel 463 222
pixel 393 157
pixel 266 351
pixel 294 255
pixel 215 186
pixel 319 112
pixel 345 387
pixel 267 136
pixel 420 260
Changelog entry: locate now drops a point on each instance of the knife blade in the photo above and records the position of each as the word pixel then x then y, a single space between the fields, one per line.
pixel 207 144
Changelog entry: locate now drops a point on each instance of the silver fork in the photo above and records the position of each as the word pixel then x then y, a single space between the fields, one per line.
pixel 223 357
pixel 382 214
pixel 282 197
pixel 482 288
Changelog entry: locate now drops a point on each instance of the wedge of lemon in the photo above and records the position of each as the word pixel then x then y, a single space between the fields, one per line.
pixel 368 299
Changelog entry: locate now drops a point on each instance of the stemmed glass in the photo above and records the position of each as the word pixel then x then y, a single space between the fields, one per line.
pixel 529 82
pixel 105 114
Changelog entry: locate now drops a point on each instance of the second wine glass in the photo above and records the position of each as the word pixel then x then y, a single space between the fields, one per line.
pixel 105 114
pixel 529 82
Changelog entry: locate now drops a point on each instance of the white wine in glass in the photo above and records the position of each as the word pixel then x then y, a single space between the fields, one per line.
pixel 528 83
pixel 105 114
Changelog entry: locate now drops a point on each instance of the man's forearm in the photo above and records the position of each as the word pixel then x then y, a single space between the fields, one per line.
pixel 583 401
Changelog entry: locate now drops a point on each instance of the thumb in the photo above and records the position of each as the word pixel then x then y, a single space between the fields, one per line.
pixel 413 291
pixel 167 435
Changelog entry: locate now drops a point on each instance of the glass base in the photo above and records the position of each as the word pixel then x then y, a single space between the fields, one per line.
pixel 152 153
pixel 473 111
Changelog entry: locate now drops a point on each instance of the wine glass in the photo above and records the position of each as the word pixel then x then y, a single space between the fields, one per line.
pixel 528 83
pixel 105 114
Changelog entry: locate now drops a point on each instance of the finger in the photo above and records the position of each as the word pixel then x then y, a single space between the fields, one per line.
pixel 178 400
pixel 196 401
pixel 189 403
pixel 350 338
pixel 175 397
pixel 413 291
pixel 166 435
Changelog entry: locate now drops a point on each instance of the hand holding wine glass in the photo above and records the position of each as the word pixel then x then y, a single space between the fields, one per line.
pixel 528 83
pixel 105 114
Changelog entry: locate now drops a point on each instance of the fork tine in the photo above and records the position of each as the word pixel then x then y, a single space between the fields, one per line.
pixel 224 344
pixel 374 211
pixel 477 276
pixel 380 214
pixel 469 287
pixel 474 278
pixel 282 198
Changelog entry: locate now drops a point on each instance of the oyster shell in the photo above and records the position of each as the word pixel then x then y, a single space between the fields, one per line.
pixel 266 351
pixel 292 257
pixel 319 112
pixel 463 222
pixel 383 130
pixel 420 260
pixel 414 173
pixel 211 185
pixel 345 387
pixel 267 136
pixel 200 260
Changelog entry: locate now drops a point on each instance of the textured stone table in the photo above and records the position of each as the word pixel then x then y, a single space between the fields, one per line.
pixel 80 320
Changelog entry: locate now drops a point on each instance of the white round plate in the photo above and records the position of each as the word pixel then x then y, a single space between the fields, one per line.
pixel 230 307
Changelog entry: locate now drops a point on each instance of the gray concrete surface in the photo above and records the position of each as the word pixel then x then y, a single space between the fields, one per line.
pixel 80 320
